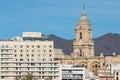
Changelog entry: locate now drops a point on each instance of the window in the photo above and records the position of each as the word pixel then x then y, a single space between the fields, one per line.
pixel 21 59
pixel 32 51
pixel 50 59
pixel 117 78
pixel 95 65
pixel 80 35
pixel 117 73
pixel 2 76
pixel 21 55
pixel 26 50
pixel 44 46
pixel 80 27
pixel 32 55
pixel 55 64
pixel 44 55
pixel 21 50
pixel 32 64
pixel 50 46
pixel 21 46
pixel 80 52
pixel 44 51
pixel 27 55
pixel 38 55
pixel 16 72
pixel 7 46
pixel 32 59
pixel 50 55
pixel 43 59
pixel 15 46
pixel 27 46
pixel 15 55
pixel 39 72
pixel 39 65
pixel 38 51
pixel 14 50
pixel 38 46
pixel 50 50
pixel 32 46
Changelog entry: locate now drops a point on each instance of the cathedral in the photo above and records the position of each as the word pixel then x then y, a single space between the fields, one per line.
pixel 83 49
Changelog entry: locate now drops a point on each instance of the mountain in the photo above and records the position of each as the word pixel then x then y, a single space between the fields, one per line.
pixel 106 44
pixel 61 43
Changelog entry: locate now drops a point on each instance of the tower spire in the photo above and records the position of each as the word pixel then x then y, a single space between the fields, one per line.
pixel 83 11
pixel 83 6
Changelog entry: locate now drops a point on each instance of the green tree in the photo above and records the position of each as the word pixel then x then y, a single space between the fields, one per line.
pixel 26 77
pixel 17 78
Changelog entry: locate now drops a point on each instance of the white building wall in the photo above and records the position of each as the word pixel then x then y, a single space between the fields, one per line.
pixel 27 57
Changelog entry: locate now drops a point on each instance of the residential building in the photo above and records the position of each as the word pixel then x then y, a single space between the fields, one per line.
pixel 29 54
pixel 72 72
pixel 115 70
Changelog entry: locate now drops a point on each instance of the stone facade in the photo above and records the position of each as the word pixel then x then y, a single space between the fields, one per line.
pixel 83 49
pixel 83 44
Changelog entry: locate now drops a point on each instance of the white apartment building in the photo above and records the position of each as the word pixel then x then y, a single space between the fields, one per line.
pixel 72 72
pixel 29 54
pixel 115 70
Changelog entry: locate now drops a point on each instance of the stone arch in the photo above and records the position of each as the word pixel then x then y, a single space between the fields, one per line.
pixel 94 66
pixel 83 64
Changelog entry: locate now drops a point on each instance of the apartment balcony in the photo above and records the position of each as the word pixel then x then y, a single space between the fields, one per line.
pixel 36 74
pixel 6 57
pixel 72 77
pixel 6 48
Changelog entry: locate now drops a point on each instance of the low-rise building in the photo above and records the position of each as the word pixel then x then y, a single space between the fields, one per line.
pixel 72 72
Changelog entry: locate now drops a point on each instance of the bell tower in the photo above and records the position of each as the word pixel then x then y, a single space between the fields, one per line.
pixel 83 45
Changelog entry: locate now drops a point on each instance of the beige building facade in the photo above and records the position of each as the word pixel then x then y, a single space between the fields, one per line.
pixel 83 49
pixel 83 44
pixel 28 55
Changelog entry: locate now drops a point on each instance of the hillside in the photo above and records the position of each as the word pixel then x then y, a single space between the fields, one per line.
pixel 106 44
pixel 61 43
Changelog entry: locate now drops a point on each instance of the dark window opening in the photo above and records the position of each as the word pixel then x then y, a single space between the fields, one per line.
pixel 80 35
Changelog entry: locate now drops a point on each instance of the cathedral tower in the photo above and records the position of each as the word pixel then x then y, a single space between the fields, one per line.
pixel 83 45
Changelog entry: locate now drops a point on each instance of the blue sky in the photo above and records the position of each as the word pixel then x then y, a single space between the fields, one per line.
pixel 57 17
